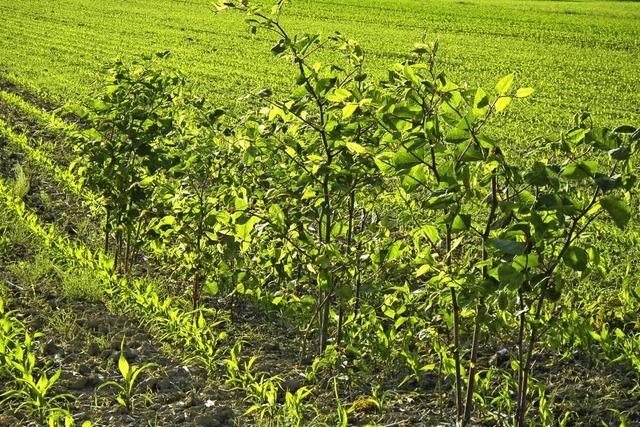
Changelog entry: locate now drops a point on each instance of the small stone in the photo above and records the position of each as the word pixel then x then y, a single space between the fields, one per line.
pixel 292 385
pixel 191 400
pixel 93 324
pixel 501 358
pixel 77 383
pixel 84 369
pixel 51 348
pixel 8 420
pixel 94 380
pixel 207 421
pixel 130 354
pixel 93 349
pixel 225 414
pixel 116 343
pixel 428 381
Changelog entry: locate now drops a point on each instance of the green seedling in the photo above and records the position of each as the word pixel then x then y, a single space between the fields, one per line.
pixel 34 394
pixel 126 389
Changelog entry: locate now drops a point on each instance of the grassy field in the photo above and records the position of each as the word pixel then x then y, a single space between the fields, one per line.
pixel 577 55
pixel 360 254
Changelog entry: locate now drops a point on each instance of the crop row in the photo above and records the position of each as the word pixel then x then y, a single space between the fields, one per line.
pixel 26 382
pixel 193 330
pixel 51 121
pixel 138 296
pixel 63 177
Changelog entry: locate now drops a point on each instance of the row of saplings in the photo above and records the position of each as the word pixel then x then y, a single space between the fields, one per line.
pixel 357 205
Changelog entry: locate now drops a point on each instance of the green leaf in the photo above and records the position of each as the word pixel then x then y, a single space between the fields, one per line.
pixel 240 203
pixel 324 279
pixel 458 134
pixel 504 85
pixel 521 262
pixel 626 129
pixel 576 258
pixel 607 183
pixel 243 230
pixel 123 366
pixel 431 232
pixel 338 95
pixel 620 153
pixel 507 275
pixel 617 209
pixel 344 292
pixel 508 246
pixel 580 170
pixel 539 175
pixel 167 220
pixel 481 99
pixel 423 269
pixel 441 201
pixel 348 110
pixel 279 47
pixel 395 251
pixel 389 312
pixel 356 148
pixel 404 159
pixel 411 75
pixel 98 105
pixel 524 92
pixel 147 181
pixel 461 223
pixel 210 288
pixel 575 136
pixel 502 103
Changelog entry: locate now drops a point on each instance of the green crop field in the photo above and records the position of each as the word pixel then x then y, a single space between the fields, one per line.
pixel 319 212
pixel 577 55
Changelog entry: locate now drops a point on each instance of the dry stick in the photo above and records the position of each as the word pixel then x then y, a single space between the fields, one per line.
pixel 136 241
pixel 352 202
pixel 118 248
pixel 473 360
pixel 456 352
pixel 456 332
pixel 324 317
pixel 356 305
pixel 522 398
pixel 521 330
pixel 107 230
pixel 127 261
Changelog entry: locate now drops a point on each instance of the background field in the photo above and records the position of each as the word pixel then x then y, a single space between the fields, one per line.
pixel 576 54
